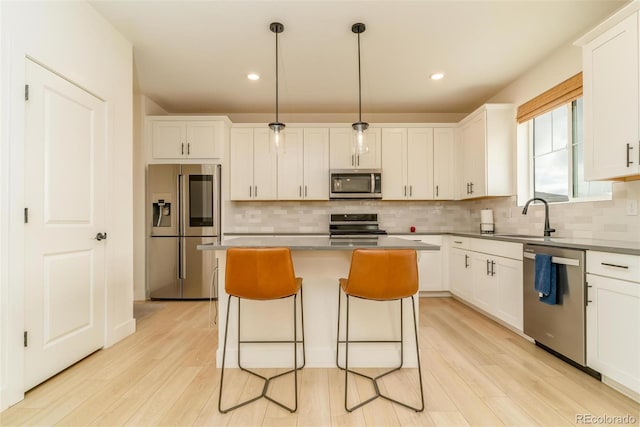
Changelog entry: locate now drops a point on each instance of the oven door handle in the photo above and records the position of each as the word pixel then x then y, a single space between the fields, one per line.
pixel 556 259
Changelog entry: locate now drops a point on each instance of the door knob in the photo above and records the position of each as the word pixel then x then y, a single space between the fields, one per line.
pixel 101 236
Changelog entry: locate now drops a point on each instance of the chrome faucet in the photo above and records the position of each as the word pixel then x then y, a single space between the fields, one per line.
pixel 547 229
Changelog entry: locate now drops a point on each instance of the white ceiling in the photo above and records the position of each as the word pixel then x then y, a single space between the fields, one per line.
pixel 193 57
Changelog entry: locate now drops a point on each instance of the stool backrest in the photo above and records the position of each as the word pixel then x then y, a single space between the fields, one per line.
pixel 383 274
pixel 260 273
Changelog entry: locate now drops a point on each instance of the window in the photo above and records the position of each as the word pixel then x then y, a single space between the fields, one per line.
pixel 558 157
pixel 551 135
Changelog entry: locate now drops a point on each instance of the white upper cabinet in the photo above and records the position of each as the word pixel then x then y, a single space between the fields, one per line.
pixel 303 166
pixel 341 153
pixel 444 163
pixel 253 171
pixel 407 163
pixel 486 152
pixel 611 76
pixel 180 138
pixel 291 165
pixel 316 164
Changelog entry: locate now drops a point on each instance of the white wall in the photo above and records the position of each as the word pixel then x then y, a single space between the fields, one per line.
pixel 72 39
pixel 142 106
pixel 557 67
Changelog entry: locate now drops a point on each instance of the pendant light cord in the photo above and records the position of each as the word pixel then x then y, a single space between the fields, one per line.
pixel 277 77
pixel 359 84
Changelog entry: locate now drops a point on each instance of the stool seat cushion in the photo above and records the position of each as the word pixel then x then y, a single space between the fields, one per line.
pixel 260 273
pixel 382 274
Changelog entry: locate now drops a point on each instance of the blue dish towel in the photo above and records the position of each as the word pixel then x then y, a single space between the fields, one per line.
pixel 545 278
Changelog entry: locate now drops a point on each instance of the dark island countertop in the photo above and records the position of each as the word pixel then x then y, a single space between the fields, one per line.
pixel 319 243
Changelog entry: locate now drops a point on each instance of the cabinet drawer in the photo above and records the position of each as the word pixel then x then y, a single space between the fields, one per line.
pixel 618 266
pixel 460 242
pixel 494 247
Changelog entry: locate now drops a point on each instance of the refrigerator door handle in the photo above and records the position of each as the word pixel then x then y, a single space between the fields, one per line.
pixel 183 261
pixel 179 259
pixel 182 195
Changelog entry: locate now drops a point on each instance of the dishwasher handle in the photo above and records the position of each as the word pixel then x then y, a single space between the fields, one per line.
pixel 556 259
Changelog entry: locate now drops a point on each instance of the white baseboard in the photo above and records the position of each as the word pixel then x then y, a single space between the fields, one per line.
pixel 634 395
pixel 120 332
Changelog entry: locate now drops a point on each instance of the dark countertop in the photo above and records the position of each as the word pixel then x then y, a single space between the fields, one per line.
pixel 319 243
pixel 615 246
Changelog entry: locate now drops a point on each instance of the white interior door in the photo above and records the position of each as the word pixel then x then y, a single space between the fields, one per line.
pixel 64 193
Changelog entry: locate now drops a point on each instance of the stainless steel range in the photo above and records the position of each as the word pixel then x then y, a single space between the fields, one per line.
pixel 350 226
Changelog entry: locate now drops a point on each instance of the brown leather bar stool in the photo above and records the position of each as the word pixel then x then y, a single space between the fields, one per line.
pixel 380 275
pixel 262 274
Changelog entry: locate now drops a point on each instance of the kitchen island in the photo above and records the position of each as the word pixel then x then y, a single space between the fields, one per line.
pixel 320 261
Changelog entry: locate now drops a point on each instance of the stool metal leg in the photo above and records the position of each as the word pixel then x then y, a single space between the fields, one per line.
pixel 374 380
pixel 266 380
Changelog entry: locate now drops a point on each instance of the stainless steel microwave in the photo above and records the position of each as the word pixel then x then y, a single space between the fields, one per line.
pixel 355 184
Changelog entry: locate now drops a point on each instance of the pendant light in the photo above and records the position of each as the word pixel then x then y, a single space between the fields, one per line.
pixel 277 134
pixel 359 145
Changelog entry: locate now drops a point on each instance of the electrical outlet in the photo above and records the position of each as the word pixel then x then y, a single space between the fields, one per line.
pixel 632 207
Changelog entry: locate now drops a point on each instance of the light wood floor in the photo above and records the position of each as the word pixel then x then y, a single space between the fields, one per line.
pixel 475 373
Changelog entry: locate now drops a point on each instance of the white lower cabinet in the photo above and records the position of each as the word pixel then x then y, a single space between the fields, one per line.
pixel 508 275
pixel 613 317
pixel 488 275
pixel 429 264
pixel 460 273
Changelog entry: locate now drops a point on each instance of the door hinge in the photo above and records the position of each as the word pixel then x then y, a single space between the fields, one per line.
pixel 26 338
pixel 26 215
pixel 26 92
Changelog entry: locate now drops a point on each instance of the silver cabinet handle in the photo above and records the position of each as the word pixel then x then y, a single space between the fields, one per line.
pixel 101 236
pixel 405 191
pixel 626 267
pixel 488 271
pixel 188 148
pixel 471 188
pixel 467 188
pixel 300 190
pixel 353 160
pixel 493 268
pixel 437 191
pixel 466 261
pixel 457 241
pixel 305 191
pixel 629 148
pixel 358 160
pixel 182 149
pixel 411 191
pixel 249 191
pixel 255 191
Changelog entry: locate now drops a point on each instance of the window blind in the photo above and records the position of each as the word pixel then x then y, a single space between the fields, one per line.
pixel 563 93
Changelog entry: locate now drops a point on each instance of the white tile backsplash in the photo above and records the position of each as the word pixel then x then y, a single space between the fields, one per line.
pixel 598 220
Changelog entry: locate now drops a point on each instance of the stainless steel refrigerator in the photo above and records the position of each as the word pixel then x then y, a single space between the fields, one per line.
pixel 183 204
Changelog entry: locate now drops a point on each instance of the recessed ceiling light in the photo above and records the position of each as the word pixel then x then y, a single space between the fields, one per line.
pixel 436 76
pixel 253 76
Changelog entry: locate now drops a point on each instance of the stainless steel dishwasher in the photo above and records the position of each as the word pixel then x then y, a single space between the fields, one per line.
pixel 558 328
